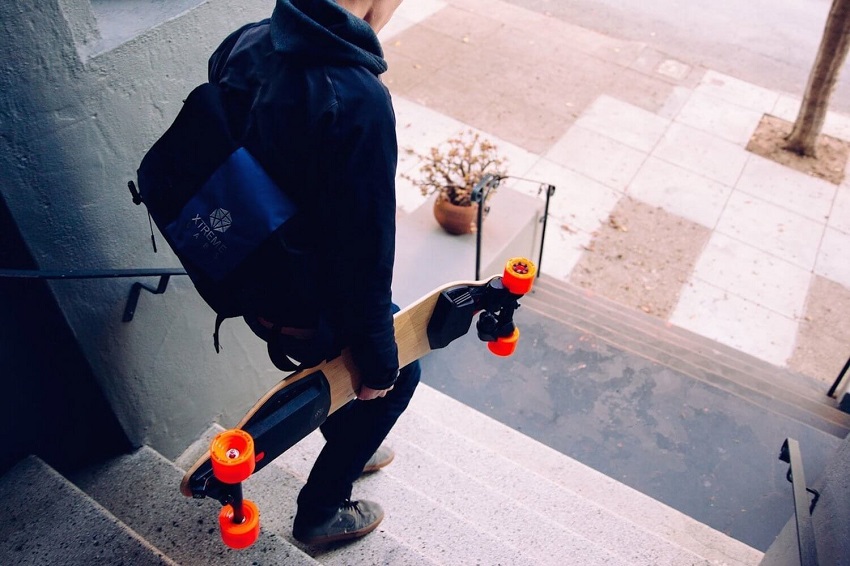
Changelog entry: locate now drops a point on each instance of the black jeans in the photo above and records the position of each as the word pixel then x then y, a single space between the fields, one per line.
pixel 352 435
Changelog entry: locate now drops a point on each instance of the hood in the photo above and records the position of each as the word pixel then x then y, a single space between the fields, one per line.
pixel 322 32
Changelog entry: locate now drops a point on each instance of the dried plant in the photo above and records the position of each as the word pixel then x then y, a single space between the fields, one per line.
pixel 453 168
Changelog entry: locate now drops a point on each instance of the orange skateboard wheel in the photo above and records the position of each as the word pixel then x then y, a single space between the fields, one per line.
pixel 505 346
pixel 232 456
pixel 240 535
pixel 519 275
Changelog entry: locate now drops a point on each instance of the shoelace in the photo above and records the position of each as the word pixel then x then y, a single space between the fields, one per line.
pixel 353 505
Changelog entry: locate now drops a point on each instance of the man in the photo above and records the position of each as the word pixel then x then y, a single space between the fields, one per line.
pixel 306 86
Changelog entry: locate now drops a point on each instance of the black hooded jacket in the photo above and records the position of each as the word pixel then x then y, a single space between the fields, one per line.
pixel 321 123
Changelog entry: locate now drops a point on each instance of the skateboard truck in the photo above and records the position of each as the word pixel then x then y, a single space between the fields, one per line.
pixel 287 416
pixel 233 461
pixel 496 301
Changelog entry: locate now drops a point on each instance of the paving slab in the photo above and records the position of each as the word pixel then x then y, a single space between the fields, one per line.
pixel 803 194
pixel 719 117
pixel 679 191
pixel 832 261
pixel 735 321
pixel 624 122
pixel 839 217
pixel 598 157
pixel 773 229
pixel 737 91
pixel 580 204
pixel 702 153
pixel 743 270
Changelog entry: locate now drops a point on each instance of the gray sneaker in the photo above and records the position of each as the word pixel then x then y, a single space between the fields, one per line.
pixel 353 519
pixel 381 458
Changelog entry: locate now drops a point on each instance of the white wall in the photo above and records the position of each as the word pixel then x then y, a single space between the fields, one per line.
pixel 81 97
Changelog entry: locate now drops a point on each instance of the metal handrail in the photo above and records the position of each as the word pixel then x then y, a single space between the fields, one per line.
pixel 164 275
pixel 481 191
pixel 89 273
pixel 841 374
pixel 790 454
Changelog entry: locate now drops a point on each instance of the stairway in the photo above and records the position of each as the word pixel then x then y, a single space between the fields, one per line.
pixel 679 418
pixel 760 383
pixel 47 520
pixel 463 489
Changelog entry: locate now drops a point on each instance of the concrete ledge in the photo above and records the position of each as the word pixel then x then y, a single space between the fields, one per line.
pixel 427 256
pixel 119 22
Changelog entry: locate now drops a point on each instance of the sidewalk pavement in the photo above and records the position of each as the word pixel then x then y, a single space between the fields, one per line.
pixel 658 205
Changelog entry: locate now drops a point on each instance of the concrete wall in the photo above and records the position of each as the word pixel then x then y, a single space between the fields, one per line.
pixel 83 92
pixel 57 411
pixel 831 517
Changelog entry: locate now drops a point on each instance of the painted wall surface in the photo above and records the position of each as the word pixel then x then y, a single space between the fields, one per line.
pixel 81 97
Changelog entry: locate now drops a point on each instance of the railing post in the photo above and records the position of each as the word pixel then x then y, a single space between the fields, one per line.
pixel 479 194
pixel 550 191
pixel 841 374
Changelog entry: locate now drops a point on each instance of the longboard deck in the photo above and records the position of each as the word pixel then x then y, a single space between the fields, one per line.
pixel 341 374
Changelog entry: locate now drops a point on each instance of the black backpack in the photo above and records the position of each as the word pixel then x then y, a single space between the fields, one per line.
pixel 221 213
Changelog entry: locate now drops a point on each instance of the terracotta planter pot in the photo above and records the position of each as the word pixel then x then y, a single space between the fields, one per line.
pixel 455 219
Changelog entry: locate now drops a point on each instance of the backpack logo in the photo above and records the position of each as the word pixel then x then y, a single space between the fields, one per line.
pixel 220 220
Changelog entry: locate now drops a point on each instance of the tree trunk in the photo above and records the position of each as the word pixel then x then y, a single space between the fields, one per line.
pixel 822 80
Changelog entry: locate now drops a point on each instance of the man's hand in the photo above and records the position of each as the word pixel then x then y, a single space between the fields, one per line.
pixel 367 393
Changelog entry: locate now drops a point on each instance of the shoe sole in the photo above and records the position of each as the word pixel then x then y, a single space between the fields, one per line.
pixel 342 536
pixel 379 465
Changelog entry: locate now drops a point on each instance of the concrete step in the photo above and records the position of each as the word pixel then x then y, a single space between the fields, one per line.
pixel 521 492
pixel 558 514
pixel 418 528
pixel 451 519
pixel 142 489
pixel 48 520
pixel 559 294
pixel 637 528
pixel 275 490
pixel 773 388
